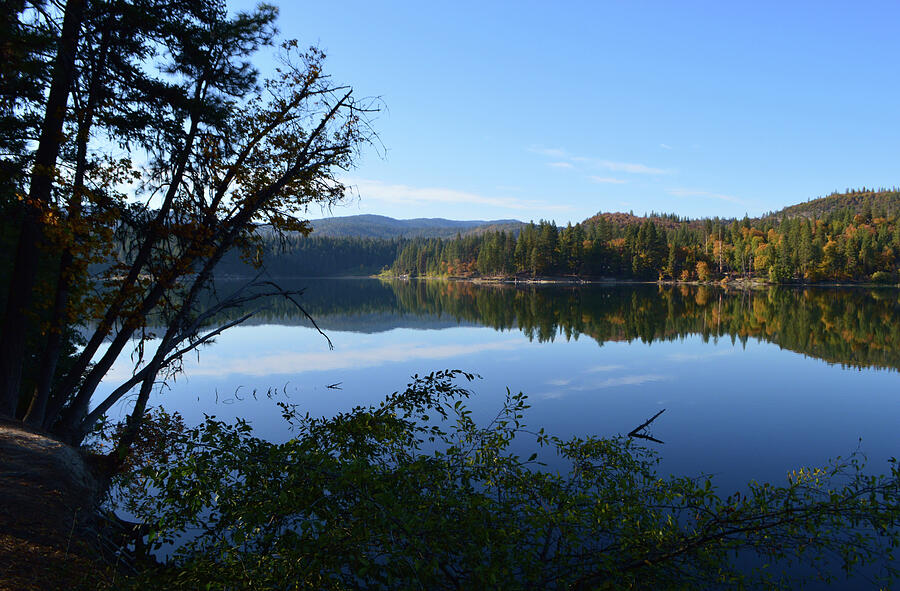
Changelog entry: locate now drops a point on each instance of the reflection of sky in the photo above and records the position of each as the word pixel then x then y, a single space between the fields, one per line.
pixel 742 412
pixel 224 361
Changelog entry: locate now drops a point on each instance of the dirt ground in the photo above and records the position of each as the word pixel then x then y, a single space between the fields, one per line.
pixel 47 502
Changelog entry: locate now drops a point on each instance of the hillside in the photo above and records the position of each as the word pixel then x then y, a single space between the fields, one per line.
pixel 856 238
pixel 882 203
pixel 619 219
pixel 851 237
pixel 377 226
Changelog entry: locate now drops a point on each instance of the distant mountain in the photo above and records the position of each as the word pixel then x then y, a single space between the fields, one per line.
pixel 880 202
pixel 377 226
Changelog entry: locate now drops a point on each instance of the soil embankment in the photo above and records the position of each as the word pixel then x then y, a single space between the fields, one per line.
pixel 48 498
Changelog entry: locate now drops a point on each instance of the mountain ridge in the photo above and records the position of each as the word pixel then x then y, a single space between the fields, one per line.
pixel 379 226
pixel 878 201
pixel 884 201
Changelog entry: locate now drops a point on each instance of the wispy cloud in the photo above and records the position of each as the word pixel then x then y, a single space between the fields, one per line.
pixel 560 382
pixel 665 146
pixel 630 167
pixel 601 368
pixel 707 194
pixel 563 159
pixel 607 179
pixel 552 395
pixel 551 152
pixel 217 365
pixel 635 380
pixel 632 380
pixel 699 356
pixel 408 195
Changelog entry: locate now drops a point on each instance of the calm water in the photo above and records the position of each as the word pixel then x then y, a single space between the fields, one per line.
pixel 754 383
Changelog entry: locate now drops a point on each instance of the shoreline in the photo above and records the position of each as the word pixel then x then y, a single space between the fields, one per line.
pixel 751 283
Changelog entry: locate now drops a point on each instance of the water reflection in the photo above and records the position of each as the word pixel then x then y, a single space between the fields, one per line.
pixel 853 327
pixel 593 360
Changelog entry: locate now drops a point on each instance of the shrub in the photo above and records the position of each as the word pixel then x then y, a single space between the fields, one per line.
pixel 414 494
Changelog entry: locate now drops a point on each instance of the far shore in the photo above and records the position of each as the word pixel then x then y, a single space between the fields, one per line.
pixel 741 282
pixel 737 282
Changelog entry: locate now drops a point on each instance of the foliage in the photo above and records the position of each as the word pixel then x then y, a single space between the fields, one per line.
pixel 296 255
pixel 860 242
pixel 414 494
pixel 860 199
pixel 174 154
pixel 386 228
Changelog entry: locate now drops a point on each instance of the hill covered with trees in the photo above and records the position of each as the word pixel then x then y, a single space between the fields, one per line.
pixel 852 236
pixel 347 246
pixel 849 237
pixel 378 226
pixel 886 202
pixel 295 255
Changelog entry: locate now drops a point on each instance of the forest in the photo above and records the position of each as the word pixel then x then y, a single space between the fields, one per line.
pixel 296 255
pixel 858 242
pixel 848 237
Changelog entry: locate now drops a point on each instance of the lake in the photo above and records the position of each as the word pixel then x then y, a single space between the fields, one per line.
pixel 753 383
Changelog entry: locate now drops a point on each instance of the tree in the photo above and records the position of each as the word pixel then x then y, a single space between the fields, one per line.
pixel 545 252
pixel 703 273
pixel 672 261
pixel 36 203
pixel 387 497
pixel 224 156
pixel 805 248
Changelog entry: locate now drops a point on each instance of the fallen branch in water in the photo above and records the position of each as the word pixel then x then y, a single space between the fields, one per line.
pixel 636 431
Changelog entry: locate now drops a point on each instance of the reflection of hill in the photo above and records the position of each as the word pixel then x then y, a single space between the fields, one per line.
pixel 351 305
pixel 849 326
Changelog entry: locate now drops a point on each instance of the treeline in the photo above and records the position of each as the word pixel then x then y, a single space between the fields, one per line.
pixel 858 242
pixel 861 244
pixel 293 255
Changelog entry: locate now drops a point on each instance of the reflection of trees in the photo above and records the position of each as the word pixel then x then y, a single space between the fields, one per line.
pixel 854 327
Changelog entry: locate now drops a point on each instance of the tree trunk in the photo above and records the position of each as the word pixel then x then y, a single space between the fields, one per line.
pixel 19 303
pixel 76 373
pixel 50 354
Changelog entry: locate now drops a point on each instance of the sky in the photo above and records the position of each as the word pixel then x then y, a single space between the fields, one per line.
pixel 559 110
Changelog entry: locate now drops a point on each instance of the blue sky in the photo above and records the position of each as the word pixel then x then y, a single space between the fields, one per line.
pixel 534 110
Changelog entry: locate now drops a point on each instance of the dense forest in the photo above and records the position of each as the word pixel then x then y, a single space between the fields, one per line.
pixel 379 226
pixel 817 241
pixel 887 201
pixel 295 255
pixel 346 246
pixel 851 236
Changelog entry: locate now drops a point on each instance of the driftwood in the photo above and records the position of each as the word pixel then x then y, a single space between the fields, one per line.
pixel 636 432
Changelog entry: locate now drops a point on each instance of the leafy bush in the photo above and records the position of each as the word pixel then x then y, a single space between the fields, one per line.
pixel 883 277
pixel 414 494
